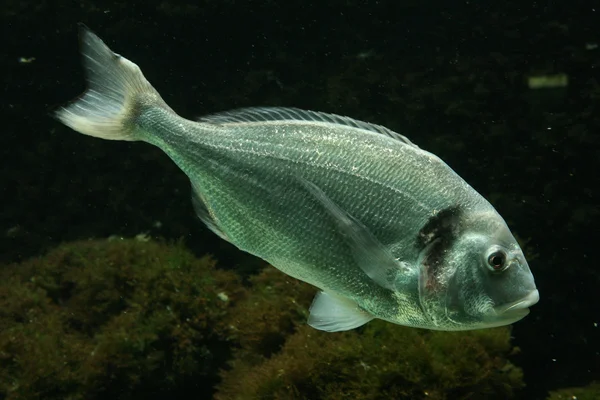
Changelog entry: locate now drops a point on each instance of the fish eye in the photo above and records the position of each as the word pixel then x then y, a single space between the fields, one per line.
pixel 497 261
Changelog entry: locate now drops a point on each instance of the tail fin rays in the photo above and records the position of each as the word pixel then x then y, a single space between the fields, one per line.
pixel 116 90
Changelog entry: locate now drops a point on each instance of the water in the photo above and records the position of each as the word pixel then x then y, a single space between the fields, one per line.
pixel 452 79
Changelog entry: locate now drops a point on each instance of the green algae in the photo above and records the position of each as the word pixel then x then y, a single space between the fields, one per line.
pixel 145 320
pixel 382 362
pixel 97 319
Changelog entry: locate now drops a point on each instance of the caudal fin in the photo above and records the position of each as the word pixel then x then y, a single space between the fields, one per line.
pixel 117 90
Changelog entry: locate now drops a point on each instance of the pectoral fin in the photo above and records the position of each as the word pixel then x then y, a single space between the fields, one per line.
pixel 370 254
pixel 333 313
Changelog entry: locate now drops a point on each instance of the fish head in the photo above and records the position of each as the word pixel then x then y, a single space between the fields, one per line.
pixel 474 275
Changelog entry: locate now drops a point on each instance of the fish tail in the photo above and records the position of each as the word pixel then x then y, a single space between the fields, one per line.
pixel 117 92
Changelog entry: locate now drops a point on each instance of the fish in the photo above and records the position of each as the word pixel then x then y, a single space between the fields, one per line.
pixel 382 228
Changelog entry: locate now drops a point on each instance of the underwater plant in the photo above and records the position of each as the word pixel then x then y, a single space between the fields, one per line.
pixel 276 305
pixel 381 362
pixel 129 319
pixel 145 320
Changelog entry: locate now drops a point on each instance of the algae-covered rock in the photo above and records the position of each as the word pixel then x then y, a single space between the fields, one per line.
pixel 590 392
pixel 144 320
pixel 121 319
pixel 280 357
pixel 277 304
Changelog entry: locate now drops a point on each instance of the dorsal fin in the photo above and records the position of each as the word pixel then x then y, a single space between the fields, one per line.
pixel 269 114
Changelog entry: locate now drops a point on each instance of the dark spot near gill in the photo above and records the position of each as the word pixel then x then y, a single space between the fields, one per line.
pixel 445 223
pixel 432 263
pixel 438 234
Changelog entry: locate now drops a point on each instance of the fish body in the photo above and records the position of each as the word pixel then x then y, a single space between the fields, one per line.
pixel 383 228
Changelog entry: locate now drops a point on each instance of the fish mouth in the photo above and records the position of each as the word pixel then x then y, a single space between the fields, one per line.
pixel 519 308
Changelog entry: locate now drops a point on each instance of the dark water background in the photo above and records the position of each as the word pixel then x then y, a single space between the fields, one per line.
pixel 449 75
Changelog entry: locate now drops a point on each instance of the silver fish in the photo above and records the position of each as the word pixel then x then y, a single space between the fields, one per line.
pixel 383 228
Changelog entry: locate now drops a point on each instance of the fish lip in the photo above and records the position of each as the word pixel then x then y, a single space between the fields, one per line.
pixel 520 306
